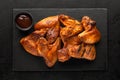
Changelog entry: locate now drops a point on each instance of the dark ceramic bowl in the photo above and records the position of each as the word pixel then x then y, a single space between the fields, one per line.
pixel 22 16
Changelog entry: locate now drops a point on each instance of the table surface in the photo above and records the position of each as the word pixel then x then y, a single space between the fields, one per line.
pixel 113 72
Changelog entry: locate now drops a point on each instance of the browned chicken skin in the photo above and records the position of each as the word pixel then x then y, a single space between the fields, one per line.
pixel 68 21
pixel 30 42
pixel 72 26
pixel 53 33
pixel 46 22
pixel 51 56
pixel 78 39
pixel 89 52
pixel 91 34
pixel 63 55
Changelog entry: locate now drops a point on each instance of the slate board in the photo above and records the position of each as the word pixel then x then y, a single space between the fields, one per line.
pixel 22 61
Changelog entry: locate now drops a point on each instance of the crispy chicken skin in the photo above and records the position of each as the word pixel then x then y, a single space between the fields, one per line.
pixel 76 51
pixel 42 46
pixel 71 29
pixel 53 33
pixel 68 21
pixel 78 38
pixel 89 52
pixel 46 22
pixel 63 55
pixel 51 56
pixel 91 34
pixel 72 26
pixel 30 42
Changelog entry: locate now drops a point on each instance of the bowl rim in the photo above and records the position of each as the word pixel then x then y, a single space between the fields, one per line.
pixel 20 28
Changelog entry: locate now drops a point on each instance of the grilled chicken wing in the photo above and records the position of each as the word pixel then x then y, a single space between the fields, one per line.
pixel 68 21
pixel 63 55
pixel 76 51
pixel 89 52
pixel 82 51
pixel 69 37
pixel 30 42
pixel 46 22
pixel 72 26
pixel 91 34
pixel 51 56
pixel 42 46
pixel 53 33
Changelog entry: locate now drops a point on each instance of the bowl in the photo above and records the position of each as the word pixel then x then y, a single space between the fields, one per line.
pixel 24 21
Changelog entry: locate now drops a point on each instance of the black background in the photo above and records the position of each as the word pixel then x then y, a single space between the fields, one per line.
pixel 113 72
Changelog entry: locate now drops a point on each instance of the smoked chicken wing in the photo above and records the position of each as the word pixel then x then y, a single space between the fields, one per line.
pixel 89 52
pixel 51 56
pixel 46 22
pixel 53 33
pixel 30 42
pixel 91 34
pixel 68 21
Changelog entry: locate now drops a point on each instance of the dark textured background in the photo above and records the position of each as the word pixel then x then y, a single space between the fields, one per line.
pixel 113 72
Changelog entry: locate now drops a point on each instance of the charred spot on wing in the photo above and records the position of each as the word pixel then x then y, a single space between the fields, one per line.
pixel 92 23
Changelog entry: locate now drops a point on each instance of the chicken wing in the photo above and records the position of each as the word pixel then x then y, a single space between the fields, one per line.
pixel 76 51
pixel 42 46
pixel 82 51
pixel 51 56
pixel 53 33
pixel 91 34
pixel 30 42
pixel 68 21
pixel 63 55
pixel 72 26
pixel 89 52
pixel 69 37
pixel 46 22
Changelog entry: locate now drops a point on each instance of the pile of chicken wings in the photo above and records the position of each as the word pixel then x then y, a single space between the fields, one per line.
pixel 61 37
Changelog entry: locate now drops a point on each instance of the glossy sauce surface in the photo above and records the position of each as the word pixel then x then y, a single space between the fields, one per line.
pixel 23 20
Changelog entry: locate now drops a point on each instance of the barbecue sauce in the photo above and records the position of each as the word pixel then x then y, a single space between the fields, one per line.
pixel 24 20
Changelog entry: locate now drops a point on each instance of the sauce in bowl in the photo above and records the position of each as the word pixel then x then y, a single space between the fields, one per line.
pixel 23 21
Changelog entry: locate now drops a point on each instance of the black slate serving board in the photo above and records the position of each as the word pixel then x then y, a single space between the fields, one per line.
pixel 22 61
